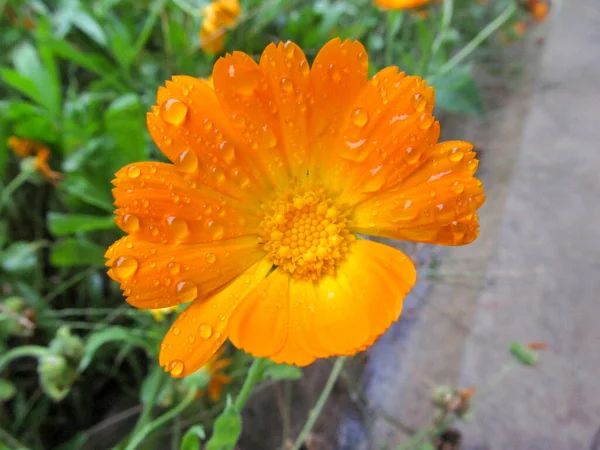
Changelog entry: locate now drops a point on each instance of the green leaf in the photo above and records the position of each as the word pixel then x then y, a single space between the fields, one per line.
pixel 125 122
pixel 192 438
pixel 457 91
pixel 7 390
pixel 283 372
pixel 81 188
pixel 227 429
pixel 20 257
pixel 111 334
pixel 524 354
pixel 28 64
pixel 22 84
pixel 76 252
pixel 62 224
pixel 3 233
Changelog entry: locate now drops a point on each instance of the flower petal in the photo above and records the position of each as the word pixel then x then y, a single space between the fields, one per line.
pixel 201 329
pixel 344 314
pixel 339 71
pixel 159 203
pixel 431 202
pixel 160 275
pixel 190 128
pixel 259 325
pixel 245 97
pixel 287 72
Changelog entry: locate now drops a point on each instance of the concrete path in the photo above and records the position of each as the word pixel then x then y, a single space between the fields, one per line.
pixel 534 275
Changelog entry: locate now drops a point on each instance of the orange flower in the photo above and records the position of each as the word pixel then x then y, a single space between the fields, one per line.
pixel 218 16
pixel 276 171
pixel 520 28
pixel 217 379
pixel 539 9
pixel 24 148
pixel 400 4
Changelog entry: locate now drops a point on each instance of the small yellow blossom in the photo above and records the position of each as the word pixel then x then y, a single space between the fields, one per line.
pixel 218 17
pixel 159 313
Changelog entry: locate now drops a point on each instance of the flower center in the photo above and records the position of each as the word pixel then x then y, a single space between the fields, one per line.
pixel 304 233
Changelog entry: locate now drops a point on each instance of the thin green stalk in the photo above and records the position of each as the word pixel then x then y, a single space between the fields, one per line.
pixel 10 440
pixel 394 23
pixel 447 12
pixel 15 183
pixel 478 40
pixel 65 285
pixel 19 352
pixel 316 411
pixel 255 374
pixel 149 24
pixel 137 439
pixel 157 381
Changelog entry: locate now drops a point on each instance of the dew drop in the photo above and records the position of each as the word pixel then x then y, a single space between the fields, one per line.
pixel 130 223
pixel 227 151
pixel 133 172
pixel 125 266
pixel 456 154
pixel 176 367
pixel 177 227
pixel 192 339
pixel 173 268
pixel 289 49
pixel 425 121
pixel 176 331
pixel 173 111
pixel 360 117
pixel 240 177
pixel 188 161
pixel 211 258
pixel 205 331
pixel 286 85
pixel 419 102
pixel 269 140
pixel 411 155
pixel 217 174
pixel 304 68
pixel 186 291
pixel 242 81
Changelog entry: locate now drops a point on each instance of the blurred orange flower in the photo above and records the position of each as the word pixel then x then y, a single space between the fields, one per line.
pixel 400 4
pixel 539 9
pixel 520 28
pixel 217 379
pixel 24 148
pixel 218 17
pixel 276 171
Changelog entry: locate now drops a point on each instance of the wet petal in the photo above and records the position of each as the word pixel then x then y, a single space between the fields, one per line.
pixel 162 275
pixel 201 329
pixel 245 97
pixel 343 314
pixel 339 71
pixel 439 197
pixel 190 128
pixel 259 325
pixel 158 203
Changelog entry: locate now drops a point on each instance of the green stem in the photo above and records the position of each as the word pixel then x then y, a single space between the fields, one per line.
pixel 149 24
pixel 478 40
pixel 255 374
pixel 316 411
pixel 447 12
pixel 13 186
pixel 19 352
pixel 394 23
pixel 137 439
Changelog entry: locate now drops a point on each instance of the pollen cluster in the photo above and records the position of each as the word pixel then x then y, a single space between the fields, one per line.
pixel 305 234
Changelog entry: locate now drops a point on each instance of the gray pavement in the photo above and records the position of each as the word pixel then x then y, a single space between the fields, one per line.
pixel 534 274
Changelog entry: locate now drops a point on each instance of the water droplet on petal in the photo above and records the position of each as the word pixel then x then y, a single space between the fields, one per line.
pixel 130 223
pixel 304 68
pixel 456 154
pixel 186 291
pixel 176 331
pixel 286 85
pixel 133 172
pixel 411 155
pixel 269 140
pixel 176 367
pixel 419 102
pixel 211 258
pixel 188 161
pixel 125 266
pixel 242 81
pixel 457 188
pixel 173 111
pixel 360 117
pixel 227 151
pixel 288 49
pixel 425 121
pixel 205 331
pixel 240 177
pixel 173 268
pixel 177 227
